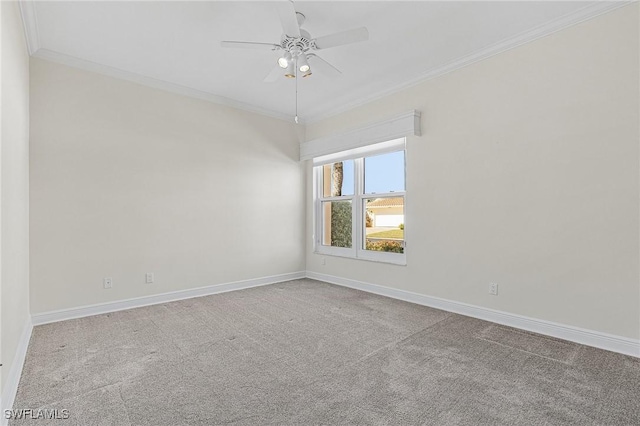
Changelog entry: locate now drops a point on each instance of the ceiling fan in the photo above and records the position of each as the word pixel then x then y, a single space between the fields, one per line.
pixel 297 46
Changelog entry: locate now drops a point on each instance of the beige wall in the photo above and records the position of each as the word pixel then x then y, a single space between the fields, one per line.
pixel 14 203
pixel 127 179
pixel 526 175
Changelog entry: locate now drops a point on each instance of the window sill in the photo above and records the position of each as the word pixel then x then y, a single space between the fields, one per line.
pixel 377 257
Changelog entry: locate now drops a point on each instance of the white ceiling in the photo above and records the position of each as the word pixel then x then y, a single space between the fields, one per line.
pixel 178 43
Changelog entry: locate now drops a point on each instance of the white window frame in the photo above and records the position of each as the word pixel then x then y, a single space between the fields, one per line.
pixel 357 250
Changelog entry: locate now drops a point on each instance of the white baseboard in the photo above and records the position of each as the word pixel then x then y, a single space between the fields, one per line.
pixel 596 339
pixel 103 308
pixel 15 371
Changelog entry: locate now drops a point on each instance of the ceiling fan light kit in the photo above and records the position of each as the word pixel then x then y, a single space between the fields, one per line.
pixel 291 70
pixel 284 60
pixel 303 65
pixel 298 46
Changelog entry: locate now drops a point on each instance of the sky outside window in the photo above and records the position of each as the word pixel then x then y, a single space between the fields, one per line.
pixel 384 173
pixel 348 175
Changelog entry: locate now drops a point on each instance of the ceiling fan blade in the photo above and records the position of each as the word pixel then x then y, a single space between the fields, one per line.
pixel 342 38
pixel 324 67
pixel 250 45
pixel 288 18
pixel 274 75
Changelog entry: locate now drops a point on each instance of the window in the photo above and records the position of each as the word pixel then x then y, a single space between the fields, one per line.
pixel 360 203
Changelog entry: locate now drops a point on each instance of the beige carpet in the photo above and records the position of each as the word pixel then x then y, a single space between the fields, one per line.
pixel 306 352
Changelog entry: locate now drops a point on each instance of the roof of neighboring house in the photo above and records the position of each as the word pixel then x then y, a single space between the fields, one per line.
pixel 386 202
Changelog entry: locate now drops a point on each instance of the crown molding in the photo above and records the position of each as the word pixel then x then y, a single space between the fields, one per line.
pixel 29 18
pixel 589 12
pixel 30 23
pixel 74 62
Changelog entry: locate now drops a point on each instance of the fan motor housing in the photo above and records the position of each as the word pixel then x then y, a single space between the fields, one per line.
pixel 297 44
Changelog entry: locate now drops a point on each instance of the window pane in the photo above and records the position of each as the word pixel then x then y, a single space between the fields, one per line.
pixel 384 173
pixel 384 224
pixel 336 223
pixel 338 179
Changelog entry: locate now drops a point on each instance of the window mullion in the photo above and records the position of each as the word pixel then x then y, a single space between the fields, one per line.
pixel 359 190
pixel 317 206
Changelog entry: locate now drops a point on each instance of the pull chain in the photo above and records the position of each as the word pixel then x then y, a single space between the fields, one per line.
pixel 296 118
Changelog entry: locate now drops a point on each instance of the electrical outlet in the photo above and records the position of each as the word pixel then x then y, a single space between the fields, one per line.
pixel 324 260
pixel 107 282
pixel 148 277
pixel 493 289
